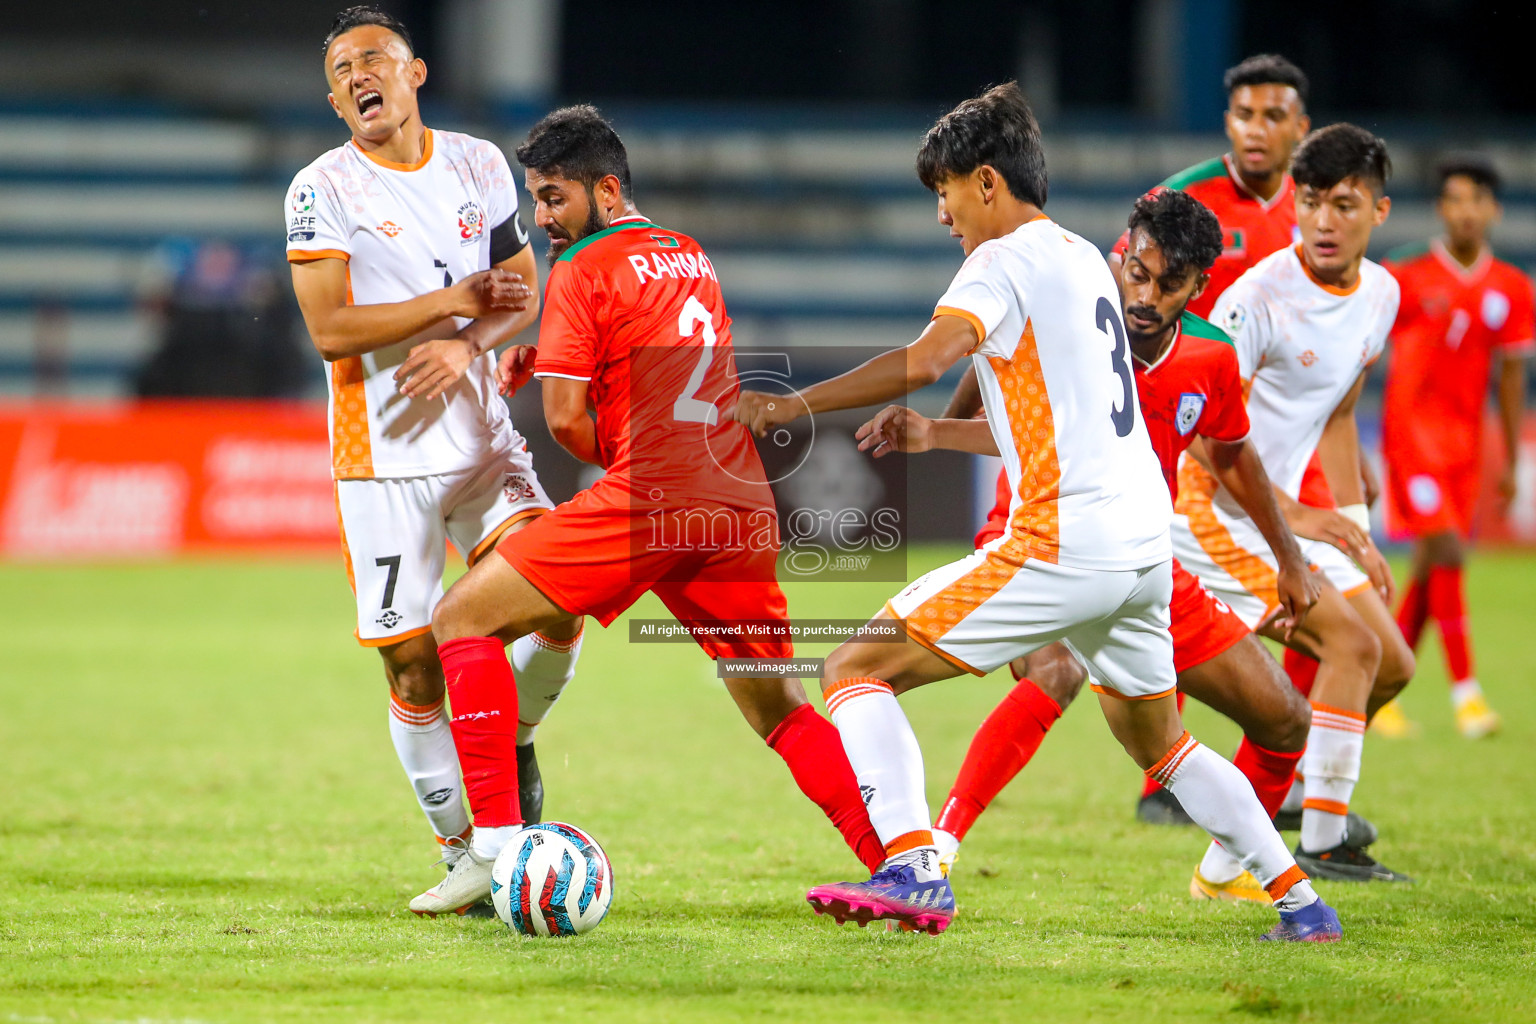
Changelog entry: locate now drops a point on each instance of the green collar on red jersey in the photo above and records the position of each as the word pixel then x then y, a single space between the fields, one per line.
pixel 1215 167
pixel 576 247
pixel 1199 327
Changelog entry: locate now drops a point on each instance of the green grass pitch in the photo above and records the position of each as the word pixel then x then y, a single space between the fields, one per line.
pixel 201 818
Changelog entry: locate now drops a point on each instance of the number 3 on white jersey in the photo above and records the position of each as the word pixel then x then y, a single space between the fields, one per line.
pixel 688 409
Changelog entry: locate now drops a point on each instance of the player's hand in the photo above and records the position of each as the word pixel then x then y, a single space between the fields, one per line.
pixel 1298 592
pixel 489 292
pixel 895 429
pixel 762 412
pixel 1330 527
pixel 515 368
pixel 433 367
pixel 1374 564
pixel 1509 488
pixel 1369 482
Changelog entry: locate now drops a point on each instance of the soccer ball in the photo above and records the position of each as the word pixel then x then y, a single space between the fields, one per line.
pixel 552 879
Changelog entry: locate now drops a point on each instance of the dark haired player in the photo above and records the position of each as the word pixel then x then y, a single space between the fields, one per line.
pixel 410 266
pixel 1307 322
pixel 1460 308
pixel 1085 559
pixel 635 324
pixel 1188 387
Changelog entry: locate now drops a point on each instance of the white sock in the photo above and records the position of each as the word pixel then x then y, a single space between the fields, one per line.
pixel 487 843
pixel 886 760
pixel 923 860
pixel 1464 690
pixel 1300 894
pixel 1332 767
pixel 542 667
pixel 1298 793
pixel 424 744
pixel 1221 800
pixel 1218 865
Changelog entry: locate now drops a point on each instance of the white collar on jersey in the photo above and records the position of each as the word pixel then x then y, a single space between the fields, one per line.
pixel 630 218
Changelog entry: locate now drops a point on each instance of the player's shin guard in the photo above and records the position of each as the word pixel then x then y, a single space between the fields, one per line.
pixel 424 744
pixel 999 751
pixel 886 761
pixel 1332 767
pixel 1302 671
pixel 1271 772
pixel 1221 801
pixel 542 667
pixel 811 747
pixel 483 697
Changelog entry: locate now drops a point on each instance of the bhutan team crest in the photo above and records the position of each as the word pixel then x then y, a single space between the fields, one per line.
pixel 471 223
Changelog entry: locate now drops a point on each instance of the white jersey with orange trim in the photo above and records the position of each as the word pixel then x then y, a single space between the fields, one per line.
pixel 1301 344
pixel 406 230
pixel 1056 380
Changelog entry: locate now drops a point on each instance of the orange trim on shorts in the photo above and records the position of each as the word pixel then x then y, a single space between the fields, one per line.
pixel 1096 688
pixel 385 641
pixel 1250 571
pixel 1357 590
pixel 1036 523
pixel 931 645
pixel 1317 803
pixel 494 537
pixel 909 841
pixel 1282 885
pixel 968 317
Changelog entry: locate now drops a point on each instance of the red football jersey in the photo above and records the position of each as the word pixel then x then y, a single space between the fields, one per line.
pixel 1450 323
pixel 1193 390
pixel 636 310
pixel 1251 228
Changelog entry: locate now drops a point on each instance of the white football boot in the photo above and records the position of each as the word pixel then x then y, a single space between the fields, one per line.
pixel 467 883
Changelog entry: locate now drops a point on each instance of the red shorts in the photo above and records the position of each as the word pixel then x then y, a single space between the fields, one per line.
pixel 1202 626
pixel 1423 501
pixel 596 556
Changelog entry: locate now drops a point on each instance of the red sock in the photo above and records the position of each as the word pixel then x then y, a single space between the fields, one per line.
pixel 999 751
pixel 1270 771
pixel 1149 787
pixel 1302 670
pixel 1448 604
pixel 812 748
pixel 1413 611
pixel 483 698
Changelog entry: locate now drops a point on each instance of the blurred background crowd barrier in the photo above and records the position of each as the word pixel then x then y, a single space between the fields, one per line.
pixel 145 150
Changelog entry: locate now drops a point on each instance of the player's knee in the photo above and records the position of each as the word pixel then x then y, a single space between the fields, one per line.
pixel 1397 667
pixel 450 618
pixel 414 673
pixel 1355 646
pixel 1057 672
pixel 1288 733
pixel 849 661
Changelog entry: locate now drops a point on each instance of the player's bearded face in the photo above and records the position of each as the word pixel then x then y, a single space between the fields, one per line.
pixel 1154 298
pixel 566 230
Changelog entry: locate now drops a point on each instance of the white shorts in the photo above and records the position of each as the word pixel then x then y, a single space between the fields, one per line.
pixel 394 534
pixel 1232 559
pixel 985 610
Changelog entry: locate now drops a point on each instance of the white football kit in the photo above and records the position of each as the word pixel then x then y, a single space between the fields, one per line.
pixel 412 474
pixel 1301 345
pixel 1086 557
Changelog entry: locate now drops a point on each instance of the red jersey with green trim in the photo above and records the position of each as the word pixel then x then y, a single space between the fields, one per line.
pixel 1450 322
pixel 636 310
pixel 1251 228
pixel 1193 390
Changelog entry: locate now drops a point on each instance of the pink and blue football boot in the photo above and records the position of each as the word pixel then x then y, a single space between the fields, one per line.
pixel 894 895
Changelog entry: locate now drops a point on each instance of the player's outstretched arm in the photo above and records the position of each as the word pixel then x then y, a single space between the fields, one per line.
pixel 898 429
pixel 433 366
pixel 1237 466
pixel 887 376
pixel 340 329
pixel 565 412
